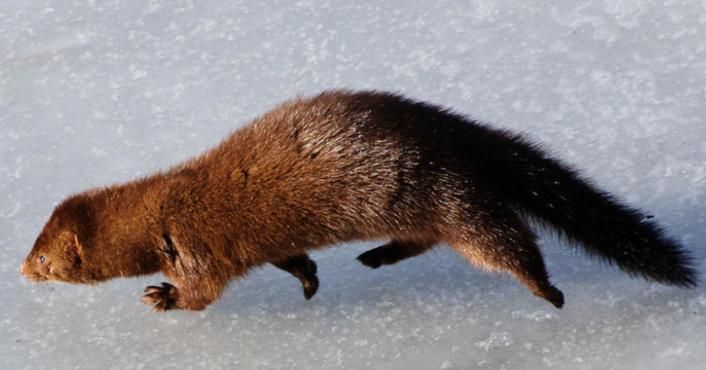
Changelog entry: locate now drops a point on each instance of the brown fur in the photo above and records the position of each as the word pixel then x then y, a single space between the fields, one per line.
pixel 309 174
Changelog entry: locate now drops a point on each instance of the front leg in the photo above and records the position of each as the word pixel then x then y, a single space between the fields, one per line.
pixel 200 273
pixel 199 280
pixel 188 294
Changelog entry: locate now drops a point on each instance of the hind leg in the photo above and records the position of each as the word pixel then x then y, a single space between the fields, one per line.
pixel 503 242
pixel 304 269
pixel 393 252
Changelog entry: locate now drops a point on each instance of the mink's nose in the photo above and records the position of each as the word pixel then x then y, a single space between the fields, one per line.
pixel 23 268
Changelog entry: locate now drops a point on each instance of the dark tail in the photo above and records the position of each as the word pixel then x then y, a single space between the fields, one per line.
pixel 557 195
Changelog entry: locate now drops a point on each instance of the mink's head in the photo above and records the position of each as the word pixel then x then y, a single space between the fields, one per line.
pixel 59 253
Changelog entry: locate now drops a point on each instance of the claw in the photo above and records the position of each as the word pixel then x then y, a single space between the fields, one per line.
pixel 160 298
pixel 152 288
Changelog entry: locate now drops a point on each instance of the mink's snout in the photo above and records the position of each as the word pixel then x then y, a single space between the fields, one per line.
pixel 24 268
pixel 33 276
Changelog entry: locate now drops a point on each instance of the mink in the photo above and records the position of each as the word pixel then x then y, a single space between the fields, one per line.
pixel 337 167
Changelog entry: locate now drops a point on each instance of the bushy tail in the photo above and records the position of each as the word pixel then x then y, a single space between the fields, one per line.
pixel 557 195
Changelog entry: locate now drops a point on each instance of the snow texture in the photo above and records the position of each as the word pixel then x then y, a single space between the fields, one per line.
pixel 94 92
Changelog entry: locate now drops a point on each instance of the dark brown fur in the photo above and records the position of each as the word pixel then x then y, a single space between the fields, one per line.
pixel 337 167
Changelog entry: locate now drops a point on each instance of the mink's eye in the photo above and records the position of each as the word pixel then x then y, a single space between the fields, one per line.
pixel 42 259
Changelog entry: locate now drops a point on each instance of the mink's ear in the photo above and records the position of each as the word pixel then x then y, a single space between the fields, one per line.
pixel 77 246
pixel 72 244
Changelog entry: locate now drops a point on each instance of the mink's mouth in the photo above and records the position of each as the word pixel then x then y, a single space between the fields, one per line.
pixel 36 278
pixel 33 276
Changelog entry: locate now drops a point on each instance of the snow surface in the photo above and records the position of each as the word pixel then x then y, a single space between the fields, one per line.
pixel 96 92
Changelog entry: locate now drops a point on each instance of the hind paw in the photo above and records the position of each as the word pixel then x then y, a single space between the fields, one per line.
pixel 371 258
pixel 553 295
pixel 557 298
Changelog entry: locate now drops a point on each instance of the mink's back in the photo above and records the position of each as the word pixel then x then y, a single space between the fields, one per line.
pixel 338 166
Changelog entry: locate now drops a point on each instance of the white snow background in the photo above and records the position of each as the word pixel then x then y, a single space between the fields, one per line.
pixel 97 92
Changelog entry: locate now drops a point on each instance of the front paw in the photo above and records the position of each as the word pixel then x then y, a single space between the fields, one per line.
pixel 161 298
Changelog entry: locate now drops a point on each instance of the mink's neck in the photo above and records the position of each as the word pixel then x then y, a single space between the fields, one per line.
pixel 128 231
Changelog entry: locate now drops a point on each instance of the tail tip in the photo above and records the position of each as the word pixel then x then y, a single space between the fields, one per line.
pixel 685 276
